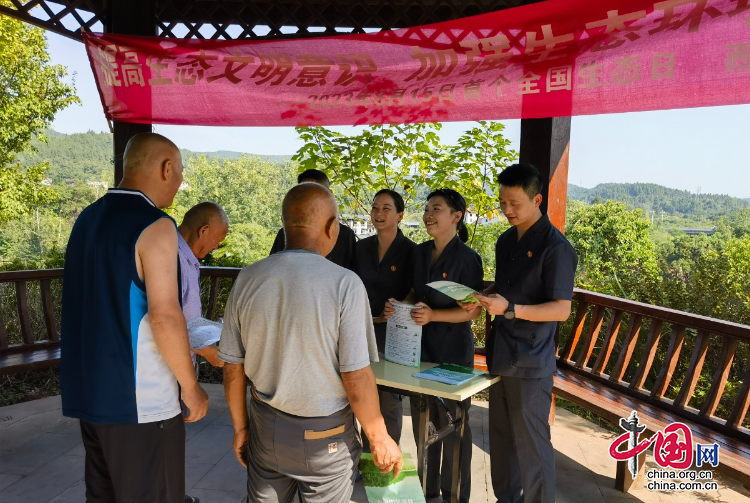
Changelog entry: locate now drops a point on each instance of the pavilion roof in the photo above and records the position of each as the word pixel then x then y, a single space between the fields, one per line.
pixel 255 19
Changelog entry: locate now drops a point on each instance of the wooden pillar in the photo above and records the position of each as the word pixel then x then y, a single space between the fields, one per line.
pixel 129 17
pixel 545 143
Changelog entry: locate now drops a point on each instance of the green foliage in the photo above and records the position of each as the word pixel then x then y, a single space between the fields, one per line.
pixel 250 190
pixel 409 158
pixel 29 385
pixel 32 93
pixel 75 157
pixel 713 281
pixel 736 224
pixel 33 239
pixel 379 157
pixel 21 190
pixel 483 239
pixel 615 252
pixel 472 165
pixel 38 239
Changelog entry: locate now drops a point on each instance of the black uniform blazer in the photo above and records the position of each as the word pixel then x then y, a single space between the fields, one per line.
pixel 342 253
pixel 390 278
pixel 537 269
pixel 446 342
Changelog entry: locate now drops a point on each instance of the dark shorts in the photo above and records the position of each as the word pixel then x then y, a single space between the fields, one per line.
pixel 135 463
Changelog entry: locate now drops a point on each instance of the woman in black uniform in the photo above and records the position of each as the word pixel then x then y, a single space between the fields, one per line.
pixel 383 262
pixel 446 332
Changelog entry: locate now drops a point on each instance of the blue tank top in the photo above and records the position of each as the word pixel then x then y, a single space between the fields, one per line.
pixel 110 369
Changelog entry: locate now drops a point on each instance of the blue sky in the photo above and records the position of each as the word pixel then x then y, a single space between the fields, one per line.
pixel 700 148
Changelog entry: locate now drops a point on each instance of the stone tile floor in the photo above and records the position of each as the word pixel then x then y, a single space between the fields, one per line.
pixel 41 459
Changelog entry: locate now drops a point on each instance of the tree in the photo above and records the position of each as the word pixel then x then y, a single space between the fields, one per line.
pixel 411 159
pixel 616 254
pixel 736 224
pixel 392 156
pixel 250 190
pixel 708 275
pixel 32 93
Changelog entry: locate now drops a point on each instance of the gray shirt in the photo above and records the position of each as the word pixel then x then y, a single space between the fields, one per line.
pixel 296 321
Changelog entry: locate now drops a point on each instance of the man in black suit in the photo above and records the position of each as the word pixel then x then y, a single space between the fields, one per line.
pixel 343 253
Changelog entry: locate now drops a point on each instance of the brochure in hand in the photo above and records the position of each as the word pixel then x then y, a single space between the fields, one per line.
pixel 203 332
pixel 455 291
pixel 403 337
pixel 384 488
pixel 448 373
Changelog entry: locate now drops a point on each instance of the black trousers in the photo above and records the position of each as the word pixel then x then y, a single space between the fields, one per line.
pixel 135 463
pixel 439 471
pixel 522 459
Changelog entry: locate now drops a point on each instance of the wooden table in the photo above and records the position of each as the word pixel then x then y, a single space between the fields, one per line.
pixel 400 379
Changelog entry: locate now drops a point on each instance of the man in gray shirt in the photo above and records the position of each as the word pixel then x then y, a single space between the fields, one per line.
pixel 299 327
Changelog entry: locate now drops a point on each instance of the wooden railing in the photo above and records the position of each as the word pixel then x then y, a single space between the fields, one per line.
pixel 19 310
pixel 611 355
pixel 215 274
pixel 26 333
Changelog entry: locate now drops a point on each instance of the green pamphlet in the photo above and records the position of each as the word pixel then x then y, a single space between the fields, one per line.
pixel 457 291
pixel 384 488
pixel 449 373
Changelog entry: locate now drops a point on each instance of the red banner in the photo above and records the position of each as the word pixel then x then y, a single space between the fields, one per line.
pixel 553 58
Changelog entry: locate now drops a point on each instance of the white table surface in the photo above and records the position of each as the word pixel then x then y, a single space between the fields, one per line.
pixel 402 377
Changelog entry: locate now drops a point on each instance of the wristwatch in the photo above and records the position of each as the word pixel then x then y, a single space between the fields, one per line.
pixel 510 313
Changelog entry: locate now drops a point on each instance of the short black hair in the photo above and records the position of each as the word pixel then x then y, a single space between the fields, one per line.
pixel 522 175
pixel 313 175
pixel 398 201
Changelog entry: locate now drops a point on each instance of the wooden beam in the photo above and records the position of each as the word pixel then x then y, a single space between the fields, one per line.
pixel 123 132
pixel 545 143
pixel 128 17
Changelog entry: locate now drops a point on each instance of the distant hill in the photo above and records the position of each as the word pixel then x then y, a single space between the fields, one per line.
pixel 651 197
pixel 87 156
pixel 78 156
pixel 228 154
pixel 84 156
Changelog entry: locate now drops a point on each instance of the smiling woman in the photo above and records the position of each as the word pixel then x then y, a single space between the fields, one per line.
pixel 384 264
pixel 446 328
